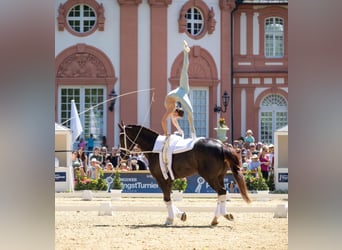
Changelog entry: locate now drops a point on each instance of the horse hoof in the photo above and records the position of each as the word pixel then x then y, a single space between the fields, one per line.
pixel 214 222
pixel 229 217
pixel 168 222
pixel 183 218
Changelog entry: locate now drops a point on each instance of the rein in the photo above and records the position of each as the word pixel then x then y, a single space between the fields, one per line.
pixel 128 151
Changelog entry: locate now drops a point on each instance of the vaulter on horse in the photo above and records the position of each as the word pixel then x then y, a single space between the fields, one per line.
pixel 209 158
pixel 178 99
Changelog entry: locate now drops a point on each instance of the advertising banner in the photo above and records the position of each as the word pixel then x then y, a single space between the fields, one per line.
pixel 143 182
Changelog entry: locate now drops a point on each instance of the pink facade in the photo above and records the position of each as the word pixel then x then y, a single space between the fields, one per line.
pixel 255 76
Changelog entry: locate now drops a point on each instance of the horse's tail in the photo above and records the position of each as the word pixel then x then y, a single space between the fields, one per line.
pixel 232 160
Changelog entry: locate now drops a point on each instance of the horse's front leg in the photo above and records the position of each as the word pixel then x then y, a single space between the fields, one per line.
pixel 165 186
pixel 172 210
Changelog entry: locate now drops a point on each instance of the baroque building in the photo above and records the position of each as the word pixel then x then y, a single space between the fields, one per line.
pixel 133 48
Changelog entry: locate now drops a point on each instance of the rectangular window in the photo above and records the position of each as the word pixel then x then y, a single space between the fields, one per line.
pixel 281 119
pixel 89 103
pixel 93 119
pixel 266 130
pixel 274 37
pixel 199 101
pixel 270 122
pixel 68 94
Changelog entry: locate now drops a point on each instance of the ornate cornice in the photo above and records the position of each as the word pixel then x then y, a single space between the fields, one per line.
pixel 81 65
pixel 129 2
pixel 211 21
pixel 159 3
pixel 182 21
pixel 227 4
pixel 83 61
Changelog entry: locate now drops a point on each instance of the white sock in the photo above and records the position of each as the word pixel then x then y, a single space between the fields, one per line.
pixel 177 211
pixel 221 206
pixel 170 209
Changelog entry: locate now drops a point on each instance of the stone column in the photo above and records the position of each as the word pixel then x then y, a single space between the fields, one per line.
pixel 158 59
pixel 128 59
pixel 226 7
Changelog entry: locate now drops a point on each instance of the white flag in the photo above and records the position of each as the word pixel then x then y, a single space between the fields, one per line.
pixel 75 122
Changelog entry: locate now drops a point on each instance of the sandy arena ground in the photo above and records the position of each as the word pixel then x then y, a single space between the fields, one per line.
pixel 83 228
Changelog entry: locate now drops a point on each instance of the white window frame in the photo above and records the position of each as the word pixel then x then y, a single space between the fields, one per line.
pixel 274 46
pixel 82 18
pixel 193 21
pixel 275 110
pixel 201 114
pixel 82 109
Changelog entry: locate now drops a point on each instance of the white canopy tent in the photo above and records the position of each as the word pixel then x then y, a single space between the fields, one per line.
pixel 63 148
pixel 63 145
pixel 281 152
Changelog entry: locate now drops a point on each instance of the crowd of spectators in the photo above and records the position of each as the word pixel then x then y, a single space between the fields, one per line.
pixel 91 163
pixel 253 154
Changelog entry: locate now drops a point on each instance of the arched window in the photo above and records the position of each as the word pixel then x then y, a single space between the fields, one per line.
pixel 273 115
pixel 85 74
pixel 274 37
pixel 274 100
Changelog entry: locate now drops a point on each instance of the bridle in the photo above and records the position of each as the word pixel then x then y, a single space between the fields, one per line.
pixel 128 151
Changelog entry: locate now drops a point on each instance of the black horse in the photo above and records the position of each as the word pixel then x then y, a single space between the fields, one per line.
pixel 210 158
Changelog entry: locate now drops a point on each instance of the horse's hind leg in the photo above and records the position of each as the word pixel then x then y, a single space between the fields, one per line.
pixel 221 210
pixel 218 186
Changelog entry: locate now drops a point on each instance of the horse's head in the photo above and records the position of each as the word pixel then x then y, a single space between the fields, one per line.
pixel 127 141
pixel 131 135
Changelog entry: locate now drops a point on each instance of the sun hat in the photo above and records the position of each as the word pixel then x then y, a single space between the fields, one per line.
pixel 254 156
